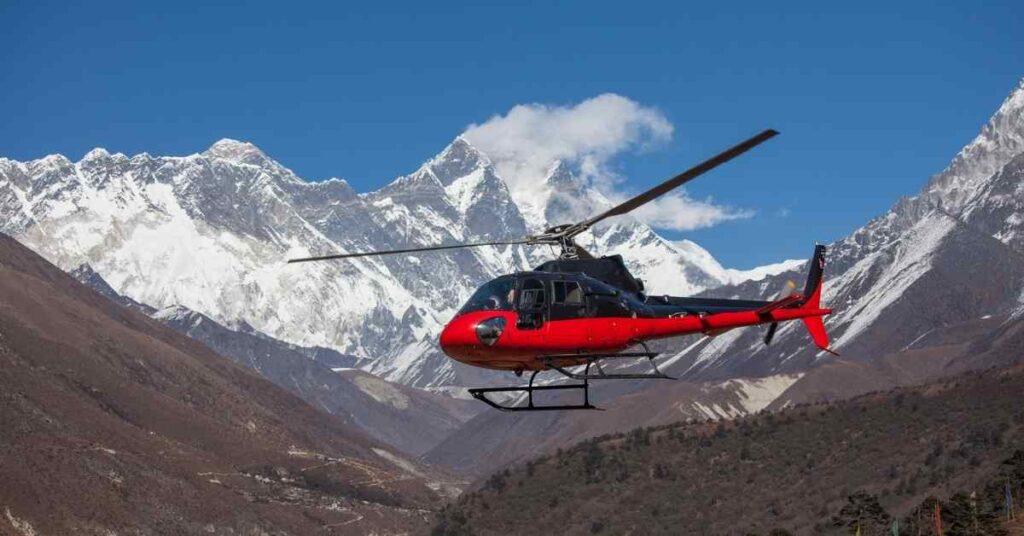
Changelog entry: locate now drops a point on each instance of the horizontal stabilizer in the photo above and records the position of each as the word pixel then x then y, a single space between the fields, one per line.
pixel 779 304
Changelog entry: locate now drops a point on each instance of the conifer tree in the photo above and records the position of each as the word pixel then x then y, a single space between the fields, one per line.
pixel 863 511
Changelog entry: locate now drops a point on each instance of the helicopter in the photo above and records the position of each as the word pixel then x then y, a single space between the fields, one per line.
pixel 581 311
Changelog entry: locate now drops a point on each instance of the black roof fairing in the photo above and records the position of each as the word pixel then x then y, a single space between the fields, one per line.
pixel 611 270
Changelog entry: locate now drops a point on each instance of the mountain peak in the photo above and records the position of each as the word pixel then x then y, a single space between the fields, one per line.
pixel 241 152
pixel 999 141
pixel 457 160
pixel 88 277
pixel 96 154
pixel 462 146
pixel 561 177
pixel 179 314
pixel 51 161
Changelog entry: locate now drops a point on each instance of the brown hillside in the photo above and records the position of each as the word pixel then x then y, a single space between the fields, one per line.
pixel 793 470
pixel 111 422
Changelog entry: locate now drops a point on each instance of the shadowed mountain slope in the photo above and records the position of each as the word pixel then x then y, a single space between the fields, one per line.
pixel 113 422
pixel 410 419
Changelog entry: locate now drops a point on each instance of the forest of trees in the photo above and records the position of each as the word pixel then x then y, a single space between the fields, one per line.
pixel 814 469
pixel 981 511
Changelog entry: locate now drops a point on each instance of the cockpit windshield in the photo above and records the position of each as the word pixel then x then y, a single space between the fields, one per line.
pixel 498 295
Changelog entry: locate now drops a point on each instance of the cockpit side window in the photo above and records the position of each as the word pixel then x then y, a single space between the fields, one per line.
pixel 498 295
pixel 607 301
pixel 532 296
pixel 567 293
pixel 567 300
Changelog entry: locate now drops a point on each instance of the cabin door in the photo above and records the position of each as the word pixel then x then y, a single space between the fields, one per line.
pixel 568 311
pixel 532 306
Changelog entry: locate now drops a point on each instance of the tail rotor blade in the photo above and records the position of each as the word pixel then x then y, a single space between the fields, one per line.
pixel 787 289
pixel 770 335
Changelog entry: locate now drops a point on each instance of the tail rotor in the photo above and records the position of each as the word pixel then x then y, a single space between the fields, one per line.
pixel 809 302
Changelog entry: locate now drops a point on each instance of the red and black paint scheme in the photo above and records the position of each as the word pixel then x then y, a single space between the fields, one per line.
pixel 519 322
pixel 580 310
pixel 570 313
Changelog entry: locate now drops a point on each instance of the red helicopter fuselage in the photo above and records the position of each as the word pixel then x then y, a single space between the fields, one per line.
pixel 532 320
pixel 524 349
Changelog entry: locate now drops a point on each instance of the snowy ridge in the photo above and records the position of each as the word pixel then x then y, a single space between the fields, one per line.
pixel 999 140
pixel 754 395
pixel 900 275
pixel 701 257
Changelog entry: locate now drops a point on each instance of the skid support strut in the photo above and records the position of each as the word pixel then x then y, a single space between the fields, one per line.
pixel 481 395
pixel 552 362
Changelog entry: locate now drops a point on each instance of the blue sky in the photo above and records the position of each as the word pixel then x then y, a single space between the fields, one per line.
pixel 871 98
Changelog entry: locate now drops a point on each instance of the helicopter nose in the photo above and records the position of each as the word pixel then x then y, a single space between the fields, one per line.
pixel 466 336
pixel 457 339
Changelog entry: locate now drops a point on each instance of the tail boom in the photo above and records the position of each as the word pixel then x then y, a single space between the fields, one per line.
pixel 804 306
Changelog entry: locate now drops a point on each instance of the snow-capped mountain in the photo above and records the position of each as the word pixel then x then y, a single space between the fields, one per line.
pixel 211 232
pixel 951 254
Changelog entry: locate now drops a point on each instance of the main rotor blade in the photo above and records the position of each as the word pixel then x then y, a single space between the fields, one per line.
pixel 682 178
pixel 410 250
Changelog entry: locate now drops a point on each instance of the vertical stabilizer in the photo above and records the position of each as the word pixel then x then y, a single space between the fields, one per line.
pixel 812 290
pixel 812 300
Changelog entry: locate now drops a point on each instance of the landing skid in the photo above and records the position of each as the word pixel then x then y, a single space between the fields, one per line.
pixel 481 395
pixel 591 360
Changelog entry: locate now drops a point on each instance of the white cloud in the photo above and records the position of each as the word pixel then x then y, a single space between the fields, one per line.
pixel 526 141
pixel 530 137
